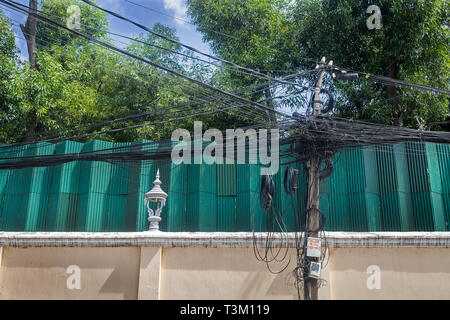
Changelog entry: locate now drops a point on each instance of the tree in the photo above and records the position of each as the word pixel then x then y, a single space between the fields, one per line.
pixel 412 45
pixel 48 99
pixel 251 33
pixel 79 85
pixel 92 22
pixel 8 60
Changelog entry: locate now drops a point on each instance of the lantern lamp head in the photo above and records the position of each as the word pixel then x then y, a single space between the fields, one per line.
pixel 158 196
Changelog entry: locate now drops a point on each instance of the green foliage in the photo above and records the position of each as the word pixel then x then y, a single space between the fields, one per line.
pixel 78 84
pixel 50 99
pixel 252 33
pixel 7 40
pixel 92 22
pixel 7 61
pixel 412 45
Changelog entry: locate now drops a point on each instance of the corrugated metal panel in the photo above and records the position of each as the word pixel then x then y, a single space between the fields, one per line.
pixel 443 153
pixel 247 201
pixel 4 176
pixel 63 199
pixel 421 201
pixel 356 190
pixel 176 213
pixel 435 188
pixel 226 180
pixel 117 194
pixel 401 187
pixel 371 194
pixel 95 179
pixel 207 210
pixel 201 198
pixel 337 208
pixel 406 215
pixel 283 201
pixel 226 196
pixel 26 195
pixel 226 213
pixel 390 217
pixel 146 177
pixel 165 177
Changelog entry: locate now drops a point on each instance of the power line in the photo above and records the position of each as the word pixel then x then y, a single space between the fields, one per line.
pixel 175 17
pixel 147 44
pixel 256 73
pixel 396 81
pixel 104 44
pixel 240 71
pixel 131 117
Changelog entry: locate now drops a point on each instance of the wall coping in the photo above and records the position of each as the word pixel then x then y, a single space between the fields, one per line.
pixel 220 239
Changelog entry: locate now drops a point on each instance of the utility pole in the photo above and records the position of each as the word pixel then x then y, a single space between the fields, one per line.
pixel 311 284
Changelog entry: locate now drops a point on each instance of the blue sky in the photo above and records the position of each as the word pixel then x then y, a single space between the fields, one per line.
pixel 176 8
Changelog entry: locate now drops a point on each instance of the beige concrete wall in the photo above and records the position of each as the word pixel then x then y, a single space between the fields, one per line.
pixel 405 273
pixel 221 273
pixel 215 273
pixel 41 273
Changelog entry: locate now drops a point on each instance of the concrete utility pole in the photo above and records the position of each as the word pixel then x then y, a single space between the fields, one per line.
pixel 311 284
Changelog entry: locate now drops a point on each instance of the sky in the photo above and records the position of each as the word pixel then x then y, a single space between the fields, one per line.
pixel 170 12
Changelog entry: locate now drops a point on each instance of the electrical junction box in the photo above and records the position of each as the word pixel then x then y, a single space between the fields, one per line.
pixel 314 270
pixel 313 247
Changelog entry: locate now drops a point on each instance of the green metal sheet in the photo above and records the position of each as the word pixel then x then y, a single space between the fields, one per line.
pixel 226 213
pixel 386 188
pixel 389 200
pixel 5 152
pixel 226 196
pixel 63 199
pixel 95 179
pixel 435 191
pixel 176 213
pixel 371 192
pixel 117 194
pixel 443 154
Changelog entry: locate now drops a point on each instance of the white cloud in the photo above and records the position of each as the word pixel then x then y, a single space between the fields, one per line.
pixel 177 7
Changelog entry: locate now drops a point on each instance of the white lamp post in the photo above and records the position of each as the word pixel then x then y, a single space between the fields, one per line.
pixel 159 196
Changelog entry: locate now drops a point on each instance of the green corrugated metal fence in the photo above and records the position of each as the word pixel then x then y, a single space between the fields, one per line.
pixel 403 187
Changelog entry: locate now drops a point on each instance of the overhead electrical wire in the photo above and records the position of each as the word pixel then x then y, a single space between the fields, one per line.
pixel 395 82
pixel 211 30
pixel 63 27
pixel 180 75
pixel 256 73
pixel 255 86
pixel 150 45
pixel 174 17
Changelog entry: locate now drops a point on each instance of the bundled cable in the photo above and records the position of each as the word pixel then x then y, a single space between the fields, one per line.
pixel 290 180
pixel 267 191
